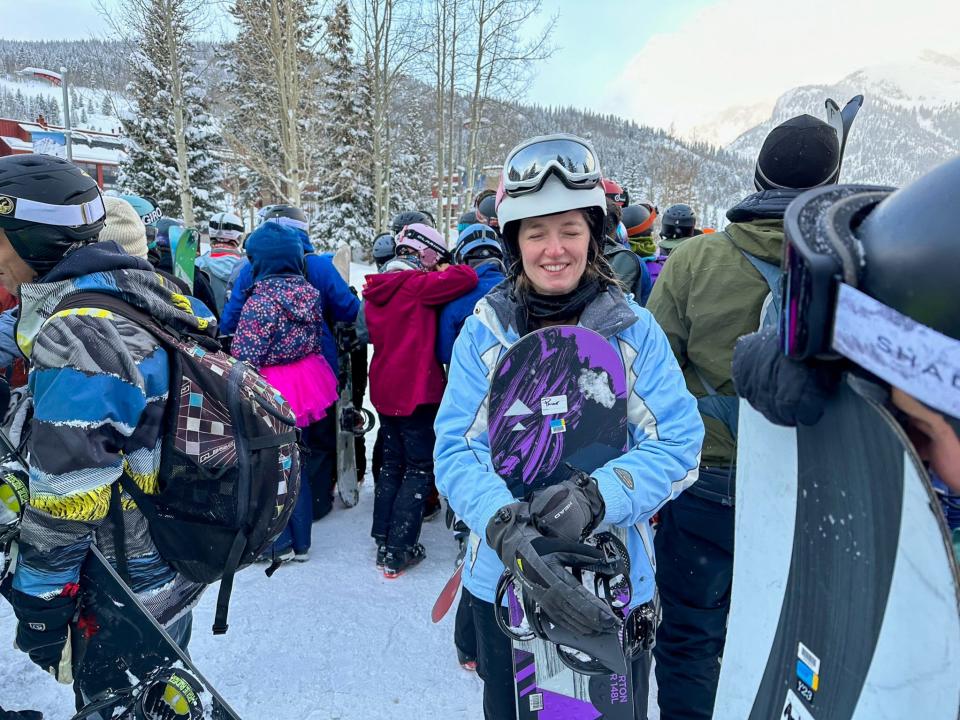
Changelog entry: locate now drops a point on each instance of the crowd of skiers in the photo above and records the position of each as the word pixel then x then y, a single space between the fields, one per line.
pixel 557 243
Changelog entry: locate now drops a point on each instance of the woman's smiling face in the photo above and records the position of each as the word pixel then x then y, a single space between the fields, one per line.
pixel 553 250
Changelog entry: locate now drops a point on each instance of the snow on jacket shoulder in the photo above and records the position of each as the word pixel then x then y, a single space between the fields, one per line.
pixel 665 430
pixel 401 313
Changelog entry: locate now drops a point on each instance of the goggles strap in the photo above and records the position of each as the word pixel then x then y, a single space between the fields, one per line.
pixel 61 215
pixel 913 357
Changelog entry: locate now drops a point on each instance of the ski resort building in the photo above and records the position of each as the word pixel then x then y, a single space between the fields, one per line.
pixel 98 153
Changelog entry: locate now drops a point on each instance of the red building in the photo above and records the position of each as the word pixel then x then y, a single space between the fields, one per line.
pixel 98 153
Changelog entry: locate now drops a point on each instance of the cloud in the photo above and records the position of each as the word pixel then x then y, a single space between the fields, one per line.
pixel 741 52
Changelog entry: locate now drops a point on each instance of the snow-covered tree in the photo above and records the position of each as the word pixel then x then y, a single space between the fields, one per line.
pixel 170 138
pixel 411 169
pixel 271 98
pixel 346 192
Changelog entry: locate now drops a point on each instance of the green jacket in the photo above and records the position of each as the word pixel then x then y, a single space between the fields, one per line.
pixel 708 295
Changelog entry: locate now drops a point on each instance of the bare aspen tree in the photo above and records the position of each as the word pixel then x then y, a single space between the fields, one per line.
pixel 275 83
pixel 501 59
pixel 392 40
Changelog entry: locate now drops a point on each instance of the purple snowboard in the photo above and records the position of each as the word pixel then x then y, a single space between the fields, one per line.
pixel 558 396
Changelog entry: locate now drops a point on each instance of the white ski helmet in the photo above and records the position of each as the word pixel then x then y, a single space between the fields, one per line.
pixel 225 226
pixel 547 175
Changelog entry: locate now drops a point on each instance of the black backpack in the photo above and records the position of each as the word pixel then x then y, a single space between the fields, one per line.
pixel 229 464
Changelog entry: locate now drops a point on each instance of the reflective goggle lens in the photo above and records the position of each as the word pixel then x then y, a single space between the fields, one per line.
pixel 575 163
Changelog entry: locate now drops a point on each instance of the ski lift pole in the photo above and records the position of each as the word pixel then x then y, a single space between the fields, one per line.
pixel 67 131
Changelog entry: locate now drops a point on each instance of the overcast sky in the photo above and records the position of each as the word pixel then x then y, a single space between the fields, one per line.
pixel 661 62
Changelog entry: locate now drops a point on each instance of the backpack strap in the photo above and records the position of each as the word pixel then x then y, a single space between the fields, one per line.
pixel 773 277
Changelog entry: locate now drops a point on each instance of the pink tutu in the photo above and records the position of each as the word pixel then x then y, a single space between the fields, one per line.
pixel 308 384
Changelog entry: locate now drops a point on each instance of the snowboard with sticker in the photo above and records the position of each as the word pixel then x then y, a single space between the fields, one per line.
pixel 845 600
pixel 558 396
pixel 151 677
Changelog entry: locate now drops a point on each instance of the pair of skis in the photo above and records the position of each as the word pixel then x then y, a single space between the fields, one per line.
pixel 842 120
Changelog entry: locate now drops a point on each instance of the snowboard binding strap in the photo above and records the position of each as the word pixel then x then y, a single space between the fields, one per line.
pixel 593 655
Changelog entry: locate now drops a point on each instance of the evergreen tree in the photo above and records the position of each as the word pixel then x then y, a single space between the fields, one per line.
pixel 346 192
pixel 162 85
pixel 412 166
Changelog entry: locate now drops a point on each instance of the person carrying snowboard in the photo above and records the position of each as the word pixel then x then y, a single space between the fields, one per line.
pixel 791 389
pixel 219 263
pixel 406 384
pixel 279 334
pixel 100 383
pixel 552 217
pixel 711 292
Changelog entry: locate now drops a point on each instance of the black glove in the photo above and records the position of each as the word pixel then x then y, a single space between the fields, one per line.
pixel 786 391
pixel 20 714
pixel 569 510
pixel 540 564
pixel 43 632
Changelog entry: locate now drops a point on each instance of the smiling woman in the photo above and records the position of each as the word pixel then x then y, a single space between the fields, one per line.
pixel 551 206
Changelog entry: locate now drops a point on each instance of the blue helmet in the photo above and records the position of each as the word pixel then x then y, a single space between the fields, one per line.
pixel 477 241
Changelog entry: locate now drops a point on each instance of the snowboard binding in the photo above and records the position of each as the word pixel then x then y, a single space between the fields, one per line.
pixel 595 655
pixel 167 694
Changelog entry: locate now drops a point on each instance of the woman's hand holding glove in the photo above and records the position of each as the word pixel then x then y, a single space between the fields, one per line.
pixel 540 564
pixel 569 510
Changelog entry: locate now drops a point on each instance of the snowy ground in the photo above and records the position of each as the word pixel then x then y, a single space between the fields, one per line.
pixel 326 640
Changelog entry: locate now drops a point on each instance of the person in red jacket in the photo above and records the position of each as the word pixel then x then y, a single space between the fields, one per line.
pixel 407 383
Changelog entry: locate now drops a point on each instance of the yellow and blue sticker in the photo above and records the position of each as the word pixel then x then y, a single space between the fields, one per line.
pixel 808 673
pixel 558 426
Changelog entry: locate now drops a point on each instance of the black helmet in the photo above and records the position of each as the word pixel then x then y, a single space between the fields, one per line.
pixel 47 205
pixel 468 218
pixel 639 219
pixel 288 215
pixel 163 229
pixel 865 267
pixel 384 248
pixel 677 222
pixel 488 208
pixel 408 217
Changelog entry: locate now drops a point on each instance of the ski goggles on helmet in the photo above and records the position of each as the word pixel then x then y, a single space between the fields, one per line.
pixel 820 252
pixel 33 211
pixel 430 251
pixel 570 158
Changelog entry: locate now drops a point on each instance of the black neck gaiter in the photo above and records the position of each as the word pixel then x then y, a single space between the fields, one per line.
pixel 535 309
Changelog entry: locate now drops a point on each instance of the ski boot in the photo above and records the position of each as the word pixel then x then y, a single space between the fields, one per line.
pixel 399 561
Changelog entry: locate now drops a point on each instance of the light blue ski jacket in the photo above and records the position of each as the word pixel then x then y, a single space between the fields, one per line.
pixel 665 429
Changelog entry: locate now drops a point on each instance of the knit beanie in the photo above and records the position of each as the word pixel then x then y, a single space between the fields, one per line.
pixel 124 226
pixel 800 153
